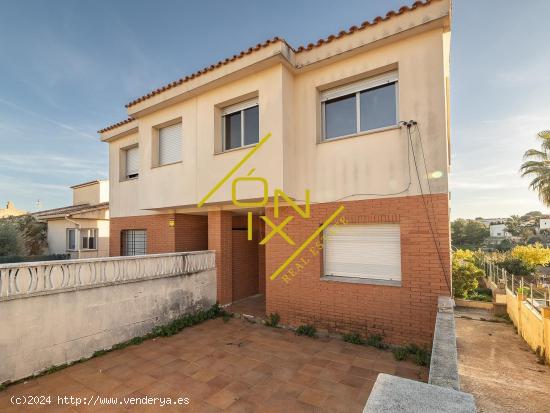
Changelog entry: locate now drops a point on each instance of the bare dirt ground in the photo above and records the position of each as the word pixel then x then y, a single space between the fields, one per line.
pixel 498 367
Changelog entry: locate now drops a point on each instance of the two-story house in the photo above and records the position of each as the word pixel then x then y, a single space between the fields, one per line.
pixel 372 254
pixel 80 230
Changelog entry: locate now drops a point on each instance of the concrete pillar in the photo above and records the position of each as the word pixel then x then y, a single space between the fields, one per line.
pixel 220 240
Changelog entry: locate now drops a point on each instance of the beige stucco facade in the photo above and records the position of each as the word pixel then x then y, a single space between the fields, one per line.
pixel 94 192
pixel 287 85
pixel 57 234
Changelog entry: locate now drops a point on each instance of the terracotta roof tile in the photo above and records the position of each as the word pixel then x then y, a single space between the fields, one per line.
pixel 364 25
pixel 69 210
pixel 116 125
pixel 205 70
pixel 259 46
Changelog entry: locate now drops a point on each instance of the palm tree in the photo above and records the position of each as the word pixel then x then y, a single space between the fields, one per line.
pixel 537 165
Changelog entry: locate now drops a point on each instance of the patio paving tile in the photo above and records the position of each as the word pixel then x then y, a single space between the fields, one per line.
pixel 225 367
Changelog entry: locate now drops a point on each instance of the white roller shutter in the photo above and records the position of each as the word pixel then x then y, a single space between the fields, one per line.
pixel 359 86
pixel 370 251
pixel 132 161
pixel 170 144
pixel 240 106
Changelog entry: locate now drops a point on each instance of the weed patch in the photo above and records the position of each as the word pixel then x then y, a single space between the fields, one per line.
pixel 306 330
pixel 273 320
pixel 353 338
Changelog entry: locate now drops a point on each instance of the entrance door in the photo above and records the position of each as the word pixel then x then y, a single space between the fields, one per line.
pixel 245 265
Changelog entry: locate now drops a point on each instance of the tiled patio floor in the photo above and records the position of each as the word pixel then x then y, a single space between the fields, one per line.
pixel 232 367
pixel 254 306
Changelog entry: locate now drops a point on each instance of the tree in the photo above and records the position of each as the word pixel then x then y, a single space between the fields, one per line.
pixel 514 225
pixel 468 233
pixel 532 255
pixel 34 234
pixel 11 242
pixel 465 273
pixel 537 166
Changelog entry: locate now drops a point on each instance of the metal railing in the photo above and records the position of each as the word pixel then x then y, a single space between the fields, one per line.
pixel 25 279
pixel 536 296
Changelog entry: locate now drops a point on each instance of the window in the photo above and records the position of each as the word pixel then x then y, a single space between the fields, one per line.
pixel 88 239
pixel 71 239
pixel 131 163
pixel 169 144
pixel 361 106
pixel 241 125
pixel 371 251
pixel 134 242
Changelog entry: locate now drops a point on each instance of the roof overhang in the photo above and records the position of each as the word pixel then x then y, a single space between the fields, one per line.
pixel 406 22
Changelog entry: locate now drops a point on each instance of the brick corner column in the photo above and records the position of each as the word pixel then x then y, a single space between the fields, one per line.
pixel 220 225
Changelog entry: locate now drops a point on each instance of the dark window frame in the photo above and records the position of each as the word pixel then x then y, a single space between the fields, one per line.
pixel 130 244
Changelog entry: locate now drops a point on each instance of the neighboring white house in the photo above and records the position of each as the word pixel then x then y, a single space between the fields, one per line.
pixel 82 229
pixel 544 223
pixel 499 231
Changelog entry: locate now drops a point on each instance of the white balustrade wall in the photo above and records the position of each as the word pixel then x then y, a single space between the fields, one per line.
pixel 56 312
pixel 24 279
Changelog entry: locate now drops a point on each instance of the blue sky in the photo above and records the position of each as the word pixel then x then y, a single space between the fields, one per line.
pixel 68 68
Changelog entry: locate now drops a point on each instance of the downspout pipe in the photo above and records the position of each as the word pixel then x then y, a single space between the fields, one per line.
pixel 77 240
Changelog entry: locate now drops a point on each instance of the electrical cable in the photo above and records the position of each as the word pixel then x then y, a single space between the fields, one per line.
pixel 409 125
pixel 406 189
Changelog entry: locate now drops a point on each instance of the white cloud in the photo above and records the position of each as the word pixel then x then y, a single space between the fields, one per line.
pixel 49 120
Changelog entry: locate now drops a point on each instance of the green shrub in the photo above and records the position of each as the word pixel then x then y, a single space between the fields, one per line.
pixel 517 267
pixel 306 330
pixel 465 276
pixel 353 338
pixel 422 357
pixel 375 340
pixel 480 297
pixel 273 320
pixel 523 290
pixel 400 353
pixel 226 316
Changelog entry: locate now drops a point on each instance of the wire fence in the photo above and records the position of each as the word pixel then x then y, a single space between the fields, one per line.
pixel 537 296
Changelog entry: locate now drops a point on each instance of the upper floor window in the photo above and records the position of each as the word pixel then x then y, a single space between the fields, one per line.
pixel 241 125
pixel 360 106
pixel 131 162
pixel 169 144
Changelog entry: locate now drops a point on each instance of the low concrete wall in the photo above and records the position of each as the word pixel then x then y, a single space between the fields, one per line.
pixel 444 360
pixel 442 394
pixel 474 304
pixel 40 331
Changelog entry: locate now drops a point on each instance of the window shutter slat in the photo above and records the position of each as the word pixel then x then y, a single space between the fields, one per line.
pixel 170 144
pixel 132 161
pixel 363 251
pixel 239 106
pixel 371 82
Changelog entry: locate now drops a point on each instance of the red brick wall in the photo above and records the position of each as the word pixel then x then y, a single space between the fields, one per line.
pixel 401 314
pixel 251 261
pixel 190 232
pixel 244 258
pixel 220 226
